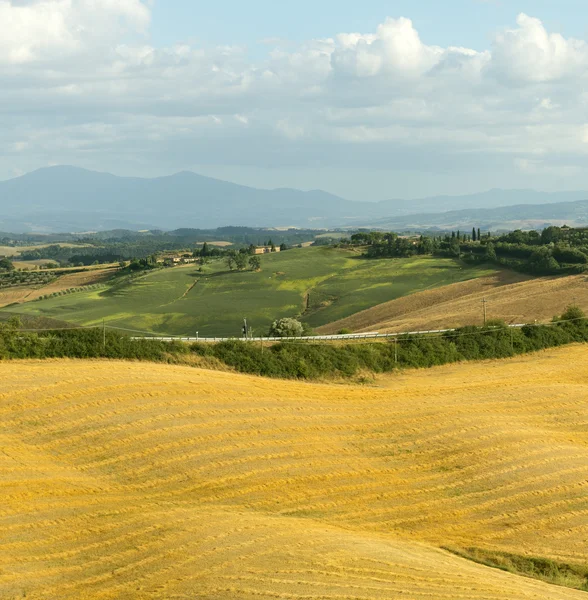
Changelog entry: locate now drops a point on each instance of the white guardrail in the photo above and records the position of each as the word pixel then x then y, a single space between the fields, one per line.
pixel 314 338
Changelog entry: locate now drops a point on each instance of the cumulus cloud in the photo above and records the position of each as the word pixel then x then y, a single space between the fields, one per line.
pixel 82 84
pixel 47 29
pixel 531 54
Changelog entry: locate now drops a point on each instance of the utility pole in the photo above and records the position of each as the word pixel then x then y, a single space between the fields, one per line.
pixel 396 349
pixel 485 302
pixel 245 328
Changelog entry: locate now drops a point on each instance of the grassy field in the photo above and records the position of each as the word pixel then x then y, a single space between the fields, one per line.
pixel 336 283
pixel 148 481
pixel 511 297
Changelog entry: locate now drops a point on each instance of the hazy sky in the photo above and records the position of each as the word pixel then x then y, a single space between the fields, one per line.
pixel 370 100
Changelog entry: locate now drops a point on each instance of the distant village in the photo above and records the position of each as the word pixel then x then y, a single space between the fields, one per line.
pixel 174 259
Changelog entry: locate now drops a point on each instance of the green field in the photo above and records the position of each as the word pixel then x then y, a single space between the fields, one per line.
pixel 334 283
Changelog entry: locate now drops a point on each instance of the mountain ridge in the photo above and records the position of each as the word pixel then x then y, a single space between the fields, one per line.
pixel 67 198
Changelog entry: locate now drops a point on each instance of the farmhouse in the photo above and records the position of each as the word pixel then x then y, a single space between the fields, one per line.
pixel 266 249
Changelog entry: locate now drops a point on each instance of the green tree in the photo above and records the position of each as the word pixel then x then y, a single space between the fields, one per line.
pixel 255 263
pixel 230 259
pixel 286 327
pixel 542 262
pixel 473 234
pixel 6 265
pixel 241 261
pixel 490 254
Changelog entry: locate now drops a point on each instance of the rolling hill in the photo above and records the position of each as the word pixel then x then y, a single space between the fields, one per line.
pixel 145 481
pixel 507 218
pixel 332 283
pixel 511 297
pixel 66 199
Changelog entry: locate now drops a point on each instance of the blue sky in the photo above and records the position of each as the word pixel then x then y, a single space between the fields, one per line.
pixel 369 100
pixel 445 23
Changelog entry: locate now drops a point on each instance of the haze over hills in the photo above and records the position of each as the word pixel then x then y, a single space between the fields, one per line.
pixel 65 199
pixel 520 216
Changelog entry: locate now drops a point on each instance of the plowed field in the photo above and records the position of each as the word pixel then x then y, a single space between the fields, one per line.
pixel 142 481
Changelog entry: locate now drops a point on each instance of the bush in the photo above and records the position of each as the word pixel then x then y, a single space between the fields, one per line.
pixel 286 327
pixel 305 361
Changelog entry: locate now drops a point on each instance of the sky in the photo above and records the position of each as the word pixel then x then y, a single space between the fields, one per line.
pixel 369 100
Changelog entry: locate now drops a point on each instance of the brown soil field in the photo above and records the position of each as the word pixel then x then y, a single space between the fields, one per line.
pixel 510 296
pixel 16 251
pixel 31 265
pixel 14 294
pixel 65 282
pixel 141 481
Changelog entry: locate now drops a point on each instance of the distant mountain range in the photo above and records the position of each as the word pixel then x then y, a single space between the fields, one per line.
pixel 66 199
pixel 507 218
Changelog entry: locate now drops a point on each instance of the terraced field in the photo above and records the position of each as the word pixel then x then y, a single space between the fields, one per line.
pixel 510 296
pixel 143 481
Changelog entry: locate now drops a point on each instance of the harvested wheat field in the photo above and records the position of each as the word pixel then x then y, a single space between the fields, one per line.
pixel 144 481
pixel 67 282
pixel 511 297
pixel 15 294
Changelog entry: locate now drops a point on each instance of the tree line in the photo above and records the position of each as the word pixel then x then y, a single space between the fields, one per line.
pixel 553 251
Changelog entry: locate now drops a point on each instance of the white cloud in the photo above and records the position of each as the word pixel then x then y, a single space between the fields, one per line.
pixel 82 83
pixel 47 29
pixel 531 54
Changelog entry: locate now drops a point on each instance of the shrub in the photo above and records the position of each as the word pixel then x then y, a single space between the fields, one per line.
pixel 286 327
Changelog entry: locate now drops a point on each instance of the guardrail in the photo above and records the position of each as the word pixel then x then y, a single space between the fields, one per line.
pixel 314 338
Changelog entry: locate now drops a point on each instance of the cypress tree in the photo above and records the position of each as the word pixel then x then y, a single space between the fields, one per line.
pixel 473 234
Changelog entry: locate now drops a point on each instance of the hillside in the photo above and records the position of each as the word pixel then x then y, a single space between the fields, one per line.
pixel 510 297
pixel 28 292
pixel 148 481
pixel 66 199
pixel 332 283
pixel 507 218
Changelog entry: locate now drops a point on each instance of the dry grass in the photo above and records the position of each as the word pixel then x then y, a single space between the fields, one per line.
pixel 16 251
pixel 31 265
pixel 73 280
pixel 15 294
pixel 22 294
pixel 143 481
pixel 511 297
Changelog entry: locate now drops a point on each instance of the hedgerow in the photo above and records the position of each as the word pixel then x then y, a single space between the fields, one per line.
pixel 297 360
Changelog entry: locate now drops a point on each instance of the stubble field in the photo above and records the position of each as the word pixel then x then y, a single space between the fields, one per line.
pixel 143 481
pixel 23 294
pixel 510 296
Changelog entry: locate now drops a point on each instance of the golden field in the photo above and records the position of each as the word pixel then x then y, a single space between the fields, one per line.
pixel 511 297
pixel 145 481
